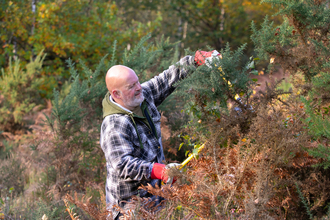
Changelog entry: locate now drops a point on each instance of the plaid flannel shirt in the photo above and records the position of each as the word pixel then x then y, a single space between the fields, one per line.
pixel 128 165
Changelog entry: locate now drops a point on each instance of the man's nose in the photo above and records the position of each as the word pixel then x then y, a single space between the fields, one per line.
pixel 138 86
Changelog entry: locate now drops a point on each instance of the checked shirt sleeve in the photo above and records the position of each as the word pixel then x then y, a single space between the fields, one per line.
pixel 162 85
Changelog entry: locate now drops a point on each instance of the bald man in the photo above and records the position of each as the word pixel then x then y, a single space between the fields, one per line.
pixel 124 87
pixel 130 132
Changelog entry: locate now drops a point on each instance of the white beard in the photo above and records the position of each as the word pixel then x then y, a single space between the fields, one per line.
pixel 134 102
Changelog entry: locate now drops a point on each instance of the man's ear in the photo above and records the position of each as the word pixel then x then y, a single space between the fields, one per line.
pixel 116 94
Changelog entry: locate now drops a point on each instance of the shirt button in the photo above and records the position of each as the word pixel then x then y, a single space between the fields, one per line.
pixel 158 146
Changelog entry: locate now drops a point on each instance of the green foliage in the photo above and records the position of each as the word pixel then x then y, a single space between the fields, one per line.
pixel 300 43
pixel 19 90
pixel 69 112
pixel 169 53
pixel 321 84
pixel 83 30
pixel 215 23
pixel 56 211
pixel 318 120
pixel 321 152
pixel 318 124
pixel 264 39
pixel 212 86
pixel 197 24
pixel 140 58
pixel 303 200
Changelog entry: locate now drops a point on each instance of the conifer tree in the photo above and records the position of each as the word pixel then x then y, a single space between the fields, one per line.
pixel 19 90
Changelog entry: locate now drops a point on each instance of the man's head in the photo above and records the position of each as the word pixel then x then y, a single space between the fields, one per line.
pixel 124 86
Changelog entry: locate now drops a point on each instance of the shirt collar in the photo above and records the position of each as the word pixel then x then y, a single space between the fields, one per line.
pixel 111 100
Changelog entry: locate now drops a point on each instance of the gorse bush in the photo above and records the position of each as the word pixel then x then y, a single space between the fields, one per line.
pixel 241 174
pixel 301 46
pixel 219 81
pixel 317 107
pixel 300 43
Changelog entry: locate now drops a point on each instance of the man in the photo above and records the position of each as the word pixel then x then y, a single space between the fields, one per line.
pixel 130 132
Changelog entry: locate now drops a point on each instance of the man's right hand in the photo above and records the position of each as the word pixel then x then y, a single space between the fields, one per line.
pixel 202 56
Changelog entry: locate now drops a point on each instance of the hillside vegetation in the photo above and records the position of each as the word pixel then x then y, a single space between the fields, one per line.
pixel 265 156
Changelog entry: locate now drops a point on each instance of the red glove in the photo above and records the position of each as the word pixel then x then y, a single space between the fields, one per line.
pixel 158 172
pixel 201 56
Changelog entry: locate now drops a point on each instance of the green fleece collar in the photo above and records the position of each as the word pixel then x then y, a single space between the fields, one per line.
pixel 110 108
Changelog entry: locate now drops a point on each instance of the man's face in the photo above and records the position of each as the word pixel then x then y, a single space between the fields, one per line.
pixel 131 92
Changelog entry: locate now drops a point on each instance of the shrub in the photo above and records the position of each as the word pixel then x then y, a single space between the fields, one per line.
pixel 19 92
pixel 12 175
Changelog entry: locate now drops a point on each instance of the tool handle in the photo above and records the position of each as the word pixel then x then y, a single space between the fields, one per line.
pixel 184 163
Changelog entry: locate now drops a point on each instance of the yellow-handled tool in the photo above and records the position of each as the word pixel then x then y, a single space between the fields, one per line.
pixel 184 163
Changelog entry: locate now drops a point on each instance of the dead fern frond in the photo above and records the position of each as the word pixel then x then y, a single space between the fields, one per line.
pixel 89 208
pixel 69 209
